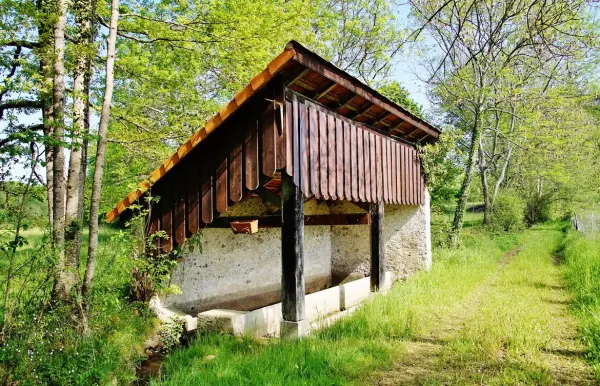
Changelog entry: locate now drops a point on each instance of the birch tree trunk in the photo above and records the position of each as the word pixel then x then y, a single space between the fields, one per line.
pixel 63 279
pixel 46 50
pixel 507 157
pixel 83 10
pixel 484 184
pixel 463 194
pixel 100 152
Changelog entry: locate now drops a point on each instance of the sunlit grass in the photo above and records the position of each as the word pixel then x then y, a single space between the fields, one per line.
pixel 582 261
pixel 354 347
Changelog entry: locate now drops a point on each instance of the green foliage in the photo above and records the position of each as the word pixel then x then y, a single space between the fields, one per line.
pixel 349 351
pixel 582 270
pixel 442 166
pixel 508 212
pixel 45 346
pixel 398 94
pixel 170 334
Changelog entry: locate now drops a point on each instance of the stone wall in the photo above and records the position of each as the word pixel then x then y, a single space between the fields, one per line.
pixel 243 272
pixel 407 234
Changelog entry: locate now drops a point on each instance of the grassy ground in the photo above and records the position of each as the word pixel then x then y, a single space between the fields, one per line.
pixel 49 350
pixel 581 256
pixel 494 312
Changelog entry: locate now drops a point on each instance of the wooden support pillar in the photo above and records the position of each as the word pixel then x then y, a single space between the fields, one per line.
pixel 294 323
pixel 377 248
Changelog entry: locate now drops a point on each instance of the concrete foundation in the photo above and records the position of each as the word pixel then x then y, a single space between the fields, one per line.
pixel 294 330
pixel 221 271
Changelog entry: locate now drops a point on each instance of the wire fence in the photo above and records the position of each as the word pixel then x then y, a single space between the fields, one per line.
pixel 587 223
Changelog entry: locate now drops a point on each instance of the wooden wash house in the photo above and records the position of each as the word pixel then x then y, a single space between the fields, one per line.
pixel 308 192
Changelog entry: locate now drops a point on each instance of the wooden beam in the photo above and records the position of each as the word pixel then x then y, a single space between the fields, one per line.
pixel 292 251
pixel 377 248
pixel 268 196
pixel 324 92
pixel 299 76
pixel 362 111
pixel 274 221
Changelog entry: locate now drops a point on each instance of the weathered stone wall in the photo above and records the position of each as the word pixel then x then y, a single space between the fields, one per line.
pixel 407 235
pixel 243 272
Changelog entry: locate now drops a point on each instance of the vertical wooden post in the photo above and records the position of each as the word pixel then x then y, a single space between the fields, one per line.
pixel 292 259
pixel 377 248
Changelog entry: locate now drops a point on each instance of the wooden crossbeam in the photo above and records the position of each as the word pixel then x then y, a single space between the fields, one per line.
pixel 274 221
pixel 361 112
pixel 325 91
pixel 297 78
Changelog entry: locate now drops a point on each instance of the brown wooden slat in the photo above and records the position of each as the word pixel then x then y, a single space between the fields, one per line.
pixel 398 174
pixel 221 188
pixel 403 173
pixel 373 164
pixel 419 179
pixel 179 208
pixel 280 153
pixel 192 206
pixel 269 140
pixel 412 176
pixel 360 163
pixel 367 160
pixel 296 141
pixel 166 212
pixel 382 167
pixel 154 225
pixel 388 170
pixel 313 127
pixel 394 167
pixel 291 117
pixel 347 161
pixel 304 148
pixel 235 166
pixel 323 156
pixel 339 152
pixel 331 151
pixel 355 176
pixel 250 156
pixel 206 181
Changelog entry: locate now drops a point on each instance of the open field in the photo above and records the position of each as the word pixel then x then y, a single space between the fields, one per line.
pixel 495 311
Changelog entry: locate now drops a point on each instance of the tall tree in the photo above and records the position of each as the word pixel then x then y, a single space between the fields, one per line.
pixel 101 151
pixel 84 51
pixel 64 278
pixel 478 43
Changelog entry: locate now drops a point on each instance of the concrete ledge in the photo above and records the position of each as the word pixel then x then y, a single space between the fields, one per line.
pixel 165 314
pixel 354 292
pixel 225 321
pixel 294 330
pixel 322 303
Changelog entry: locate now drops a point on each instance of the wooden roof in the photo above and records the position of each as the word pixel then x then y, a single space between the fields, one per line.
pixel 312 76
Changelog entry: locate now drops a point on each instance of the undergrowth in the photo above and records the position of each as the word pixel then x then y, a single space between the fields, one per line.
pixel 355 346
pixel 581 256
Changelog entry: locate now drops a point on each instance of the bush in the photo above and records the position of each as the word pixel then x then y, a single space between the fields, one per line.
pixel 508 213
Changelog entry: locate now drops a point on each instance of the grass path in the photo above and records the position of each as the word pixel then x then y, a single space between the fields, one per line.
pixel 515 327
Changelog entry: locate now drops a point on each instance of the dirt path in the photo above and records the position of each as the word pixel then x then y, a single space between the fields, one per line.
pixel 449 354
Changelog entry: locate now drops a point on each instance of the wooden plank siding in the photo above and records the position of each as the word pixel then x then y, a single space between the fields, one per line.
pixel 326 155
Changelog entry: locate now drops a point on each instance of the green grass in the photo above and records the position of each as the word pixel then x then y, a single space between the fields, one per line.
pixel 582 262
pixel 348 351
pixel 504 339
pixel 50 349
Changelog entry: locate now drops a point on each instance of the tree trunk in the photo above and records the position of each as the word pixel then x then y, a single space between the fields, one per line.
pixel 463 194
pixel 63 278
pixel 507 157
pixel 484 184
pixel 73 216
pixel 100 152
pixel 45 53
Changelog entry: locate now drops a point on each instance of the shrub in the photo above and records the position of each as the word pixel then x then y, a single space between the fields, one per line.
pixel 508 212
